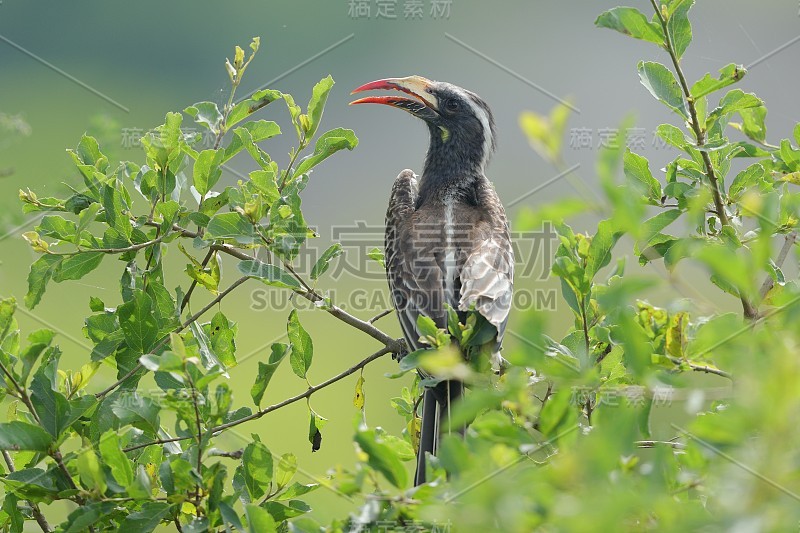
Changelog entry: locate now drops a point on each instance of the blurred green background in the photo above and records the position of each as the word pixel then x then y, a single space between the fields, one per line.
pixel 146 58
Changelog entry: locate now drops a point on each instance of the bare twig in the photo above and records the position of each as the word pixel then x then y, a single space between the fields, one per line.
pixel 189 292
pixel 394 345
pixel 702 368
pixel 258 414
pixel 380 315
pixel 180 328
pixel 655 443
pixel 132 248
pixel 791 239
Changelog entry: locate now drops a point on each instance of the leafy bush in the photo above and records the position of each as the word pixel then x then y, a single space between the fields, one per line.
pixel 567 439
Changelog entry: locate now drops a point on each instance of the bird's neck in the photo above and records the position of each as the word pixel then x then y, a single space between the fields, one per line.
pixel 452 167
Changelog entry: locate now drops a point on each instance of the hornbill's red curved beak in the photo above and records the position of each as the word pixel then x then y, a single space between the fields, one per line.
pixel 425 106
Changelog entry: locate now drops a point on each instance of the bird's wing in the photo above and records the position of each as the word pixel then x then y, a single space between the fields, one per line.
pixel 400 247
pixel 487 277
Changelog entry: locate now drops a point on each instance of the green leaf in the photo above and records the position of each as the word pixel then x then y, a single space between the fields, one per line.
pixel 111 451
pixel 328 144
pixel 207 276
pixel 281 512
pixel 382 458
pixel 78 265
pixel 319 96
pixel 268 274
pixel 256 469
pixel 247 107
pixel 735 101
pixel 146 519
pixel 267 370
pixel 599 254
pixel 86 217
pixel 427 327
pixel 753 123
pixel 222 333
pixel 38 277
pixel 266 183
pixel 322 264
pixel 138 322
pixel 32 483
pixel 790 156
pixel 165 362
pixel 377 255
pixel 749 177
pixel 51 406
pixel 663 86
pixel 672 135
pixel 728 75
pixel 575 276
pixel 115 207
pixel 637 170
pixel 15 436
pixel 287 466
pixel 679 28
pixel 87 515
pixel 231 225
pixel 259 520
pixel 296 489
pixel 90 471
pixel 632 22
pixel 7 322
pixel 139 411
pixel 651 228
pixel 57 227
pixel 302 346
pixel 207 114
pixel 556 413
pixel 250 133
pixel 163 144
pixel 207 171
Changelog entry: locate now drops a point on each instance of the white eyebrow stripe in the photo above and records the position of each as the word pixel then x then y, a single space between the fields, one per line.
pixel 487 128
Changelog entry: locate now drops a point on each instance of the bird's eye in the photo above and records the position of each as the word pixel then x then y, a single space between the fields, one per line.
pixel 452 105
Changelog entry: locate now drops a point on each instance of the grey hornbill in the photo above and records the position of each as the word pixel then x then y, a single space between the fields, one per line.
pixel 447 239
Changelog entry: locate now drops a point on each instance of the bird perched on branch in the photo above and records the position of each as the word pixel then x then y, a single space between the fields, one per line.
pixel 447 238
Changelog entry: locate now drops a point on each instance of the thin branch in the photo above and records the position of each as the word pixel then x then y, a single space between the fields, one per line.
pixel 22 394
pixel 300 147
pixel 157 442
pixel 258 414
pixel 184 232
pixel 380 315
pixel 132 248
pixel 702 368
pixel 189 292
pixel 37 513
pixel 655 443
pixel 394 345
pixel 100 395
pixel 311 390
pixel 791 239
pixel 750 311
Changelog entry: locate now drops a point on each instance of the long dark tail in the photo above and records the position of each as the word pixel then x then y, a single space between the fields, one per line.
pixel 436 405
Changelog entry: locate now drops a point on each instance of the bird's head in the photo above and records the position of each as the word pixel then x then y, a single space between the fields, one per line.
pixel 461 124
